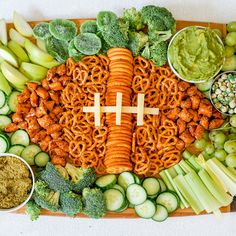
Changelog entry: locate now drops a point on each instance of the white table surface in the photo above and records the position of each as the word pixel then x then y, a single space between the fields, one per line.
pixel 20 225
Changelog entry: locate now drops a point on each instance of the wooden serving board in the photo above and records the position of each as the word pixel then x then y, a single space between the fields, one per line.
pixel 130 213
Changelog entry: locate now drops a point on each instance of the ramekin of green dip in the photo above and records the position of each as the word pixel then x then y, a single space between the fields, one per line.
pixel 196 54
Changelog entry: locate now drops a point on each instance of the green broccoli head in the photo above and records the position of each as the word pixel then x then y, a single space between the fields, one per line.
pixel 94 203
pixel 158 17
pixel 134 19
pixel 45 197
pixel 111 29
pixel 158 53
pixel 81 177
pixel 71 203
pixel 57 178
pixel 124 28
pixel 156 36
pixel 137 41
pixel 32 210
pixel 146 51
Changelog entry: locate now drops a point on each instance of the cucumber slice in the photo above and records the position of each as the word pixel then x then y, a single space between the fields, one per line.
pixel 16 149
pixel 5 110
pixel 161 213
pixel 30 151
pixel 3 145
pixel 162 184
pixel 114 199
pixel 41 159
pixel 5 136
pixel 4 85
pixel 151 185
pixel 152 196
pixel 169 200
pixel 13 101
pixel 106 181
pixel 20 137
pixel 116 186
pixel 8 55
pixel 125 179
pixel 145 210
pixel 4 121
pixel 203 87
pixel 136 194
pixel 2 98
pixel 124 207
pixel 136 179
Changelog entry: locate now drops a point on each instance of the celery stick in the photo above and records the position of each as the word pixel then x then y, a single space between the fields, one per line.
pixel 172 172
pixel 202 162
pixel 224 198
pixel 193 162
pixel 188 194
pixel 233 170
pixel 209 203
pixel 166 180
pixel 226 180
pixel 179 170
pixel 185 167
pixel 168 174
pixel 186 154
pixel 224 169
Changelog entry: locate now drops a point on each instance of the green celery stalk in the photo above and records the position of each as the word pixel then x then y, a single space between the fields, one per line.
pixel 172 172
pixel 188 194
pixel 224 198
pixel 224 169
pixel 209 203
pixel 202 162
pixel 179 170
pixel 193 162
pixel 166 180
pixel 184 165
pixel 230 185
pixel 182 199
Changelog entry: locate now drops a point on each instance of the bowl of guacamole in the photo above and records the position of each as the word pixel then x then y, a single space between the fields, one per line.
pixel 16 182
pixel 196 54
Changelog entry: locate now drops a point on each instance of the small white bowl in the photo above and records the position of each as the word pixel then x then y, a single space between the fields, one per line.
pixel 172 67
pixel 32 188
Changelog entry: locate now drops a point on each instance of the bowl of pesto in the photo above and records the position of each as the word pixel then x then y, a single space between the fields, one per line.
pixel 196 54
pixel 16 182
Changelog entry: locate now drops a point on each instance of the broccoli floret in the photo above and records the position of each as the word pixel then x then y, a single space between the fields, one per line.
pixel 57 178
pixel 32 210
pixel 158 53
pixel 109 25
pixel 158 16
pixel 71 203
pixel 156 36
pixel 137 41
pixel 124 28
pixel 94 203
pixel 146 51
pixel 81 177
pixel 45 197
pixel 134 18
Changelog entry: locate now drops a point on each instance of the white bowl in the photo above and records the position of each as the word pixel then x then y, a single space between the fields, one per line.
pixel 32 188
pixel 176 72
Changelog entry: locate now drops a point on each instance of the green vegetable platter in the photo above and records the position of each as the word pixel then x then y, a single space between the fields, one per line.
pixel 130 212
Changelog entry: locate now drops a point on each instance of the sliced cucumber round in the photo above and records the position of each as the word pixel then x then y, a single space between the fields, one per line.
pixel 163 185
pixel 3 145
pixel 169 200
pixel 41 159
pixel 203 87
pixel 124 207
pixel 4 121
pixel 114 199
pixel 5 110
pixel 151 185
pixel 161 213
pixel 13 101
pixel 30 151
pixel 146 210
pixel 125 179
pixel 16 149
pixel 136 179
pixel 20 137
pixel 136 194
pixel 116 186
pixel 106 181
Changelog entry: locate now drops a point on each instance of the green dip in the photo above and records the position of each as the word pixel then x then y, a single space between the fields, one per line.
pixel 196 54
